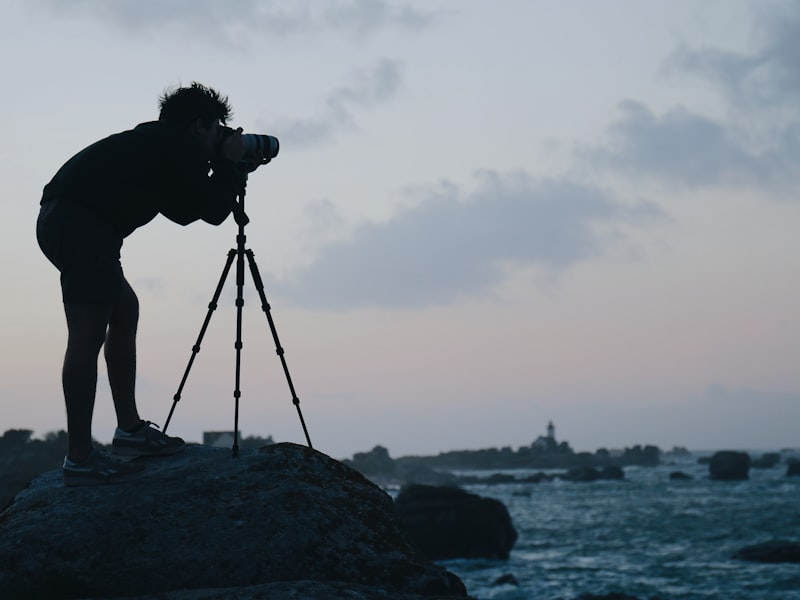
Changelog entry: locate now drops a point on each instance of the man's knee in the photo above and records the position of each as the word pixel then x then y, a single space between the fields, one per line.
pixel 86 325
pixel 125 313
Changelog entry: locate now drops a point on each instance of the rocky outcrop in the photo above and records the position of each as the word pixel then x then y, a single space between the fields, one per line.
pixel 448 522
pixel 774 551
pixel 766 461
pixel 588 474
pixel 679 476
pixel 205 525
pixel 729 465
pixel 793 468
pixel 381 468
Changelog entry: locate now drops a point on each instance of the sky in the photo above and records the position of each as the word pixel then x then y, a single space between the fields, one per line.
pixel 484 216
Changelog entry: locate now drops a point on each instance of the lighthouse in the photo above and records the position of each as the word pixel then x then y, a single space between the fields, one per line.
pixel 551 431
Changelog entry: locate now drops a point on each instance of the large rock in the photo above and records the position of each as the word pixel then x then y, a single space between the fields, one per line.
pixel 793 468
pixel 205 525
pixel 774 551
pixel 448 522
pixel 729 465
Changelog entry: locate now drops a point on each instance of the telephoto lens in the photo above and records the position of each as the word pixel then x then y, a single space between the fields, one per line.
pixel 260 147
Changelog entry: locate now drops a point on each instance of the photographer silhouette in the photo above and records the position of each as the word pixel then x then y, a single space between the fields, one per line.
pixel 98 198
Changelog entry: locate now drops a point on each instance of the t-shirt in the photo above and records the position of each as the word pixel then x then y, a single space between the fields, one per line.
pixel 130 177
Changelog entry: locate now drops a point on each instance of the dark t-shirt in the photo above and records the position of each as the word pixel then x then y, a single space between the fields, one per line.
pixel 128 178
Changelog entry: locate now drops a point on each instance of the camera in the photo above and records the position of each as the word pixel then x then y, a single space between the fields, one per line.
pixel 260 147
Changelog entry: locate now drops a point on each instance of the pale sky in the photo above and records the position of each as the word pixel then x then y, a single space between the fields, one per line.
pixel 484 216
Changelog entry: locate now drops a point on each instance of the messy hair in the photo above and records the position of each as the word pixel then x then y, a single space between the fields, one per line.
pixel 184 105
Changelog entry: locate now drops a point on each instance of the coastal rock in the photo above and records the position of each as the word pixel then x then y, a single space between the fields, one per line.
pixel 382 469
pixel 205 523
pixel 774 551
pixel 729 465
pixel 448 522
pixel 588 474
pixel 793 468
pixel 679 475
pixel 375 462
pixel 766 461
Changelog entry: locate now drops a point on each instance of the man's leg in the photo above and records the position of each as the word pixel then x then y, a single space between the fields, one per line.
pixel 120 355
pixel 86 324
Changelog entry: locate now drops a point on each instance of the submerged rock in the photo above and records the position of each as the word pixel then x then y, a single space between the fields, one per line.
pixel 205 523
pixel 448 522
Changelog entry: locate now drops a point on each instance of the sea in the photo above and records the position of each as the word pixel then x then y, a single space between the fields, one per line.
pixel 647 536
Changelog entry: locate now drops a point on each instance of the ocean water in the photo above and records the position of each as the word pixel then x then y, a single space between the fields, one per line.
pixel 646 536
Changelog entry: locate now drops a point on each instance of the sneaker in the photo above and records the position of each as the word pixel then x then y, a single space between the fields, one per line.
pixel 98 469
pixel 145 441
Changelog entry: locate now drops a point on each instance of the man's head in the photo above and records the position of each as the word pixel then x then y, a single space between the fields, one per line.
pixel 184 105
pixel 199 110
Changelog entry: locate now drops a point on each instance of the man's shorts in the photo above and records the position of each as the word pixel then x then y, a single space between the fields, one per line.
pixel 84 248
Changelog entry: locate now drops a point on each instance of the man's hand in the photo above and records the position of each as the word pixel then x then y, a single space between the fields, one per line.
pixel 232 146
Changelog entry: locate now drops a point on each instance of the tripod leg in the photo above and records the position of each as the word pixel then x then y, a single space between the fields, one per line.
pixel 259 284
pixel 196 348
pixel 237 392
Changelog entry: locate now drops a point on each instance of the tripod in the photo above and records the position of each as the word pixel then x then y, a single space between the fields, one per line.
pixel 239 253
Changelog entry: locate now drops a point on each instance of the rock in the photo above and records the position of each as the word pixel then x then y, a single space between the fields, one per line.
pixel 405 474
pixel 766 461
pixel 375 462
pixel 506 579
pixel 728 465
pixel 582 474
pixel 448 522
pixel 612 472
pixel 793 468
pixel 205 525
pixel 380 468
pixel 588 474
pixel 774 551
pixel 679 475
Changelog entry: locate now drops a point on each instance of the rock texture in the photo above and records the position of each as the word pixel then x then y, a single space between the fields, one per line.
pixel 283 522
pixel 448 522
pixel 729 465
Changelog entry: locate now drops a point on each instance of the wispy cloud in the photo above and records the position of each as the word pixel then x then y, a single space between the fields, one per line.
pixel 756 142
pixel 768 77
pixel 235 22
pixel 686 148
pixel 454 245
pixel 366 89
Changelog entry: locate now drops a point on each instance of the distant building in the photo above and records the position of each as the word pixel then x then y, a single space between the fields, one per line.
pixel 547 444
pixel 224 439
pixel 218 439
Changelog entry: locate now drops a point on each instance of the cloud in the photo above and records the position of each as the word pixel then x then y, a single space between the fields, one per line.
pixel 756 144
pixel 452 245
pixel 765 78
pixel 367 89
pixel 233 22
pixel 686 148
